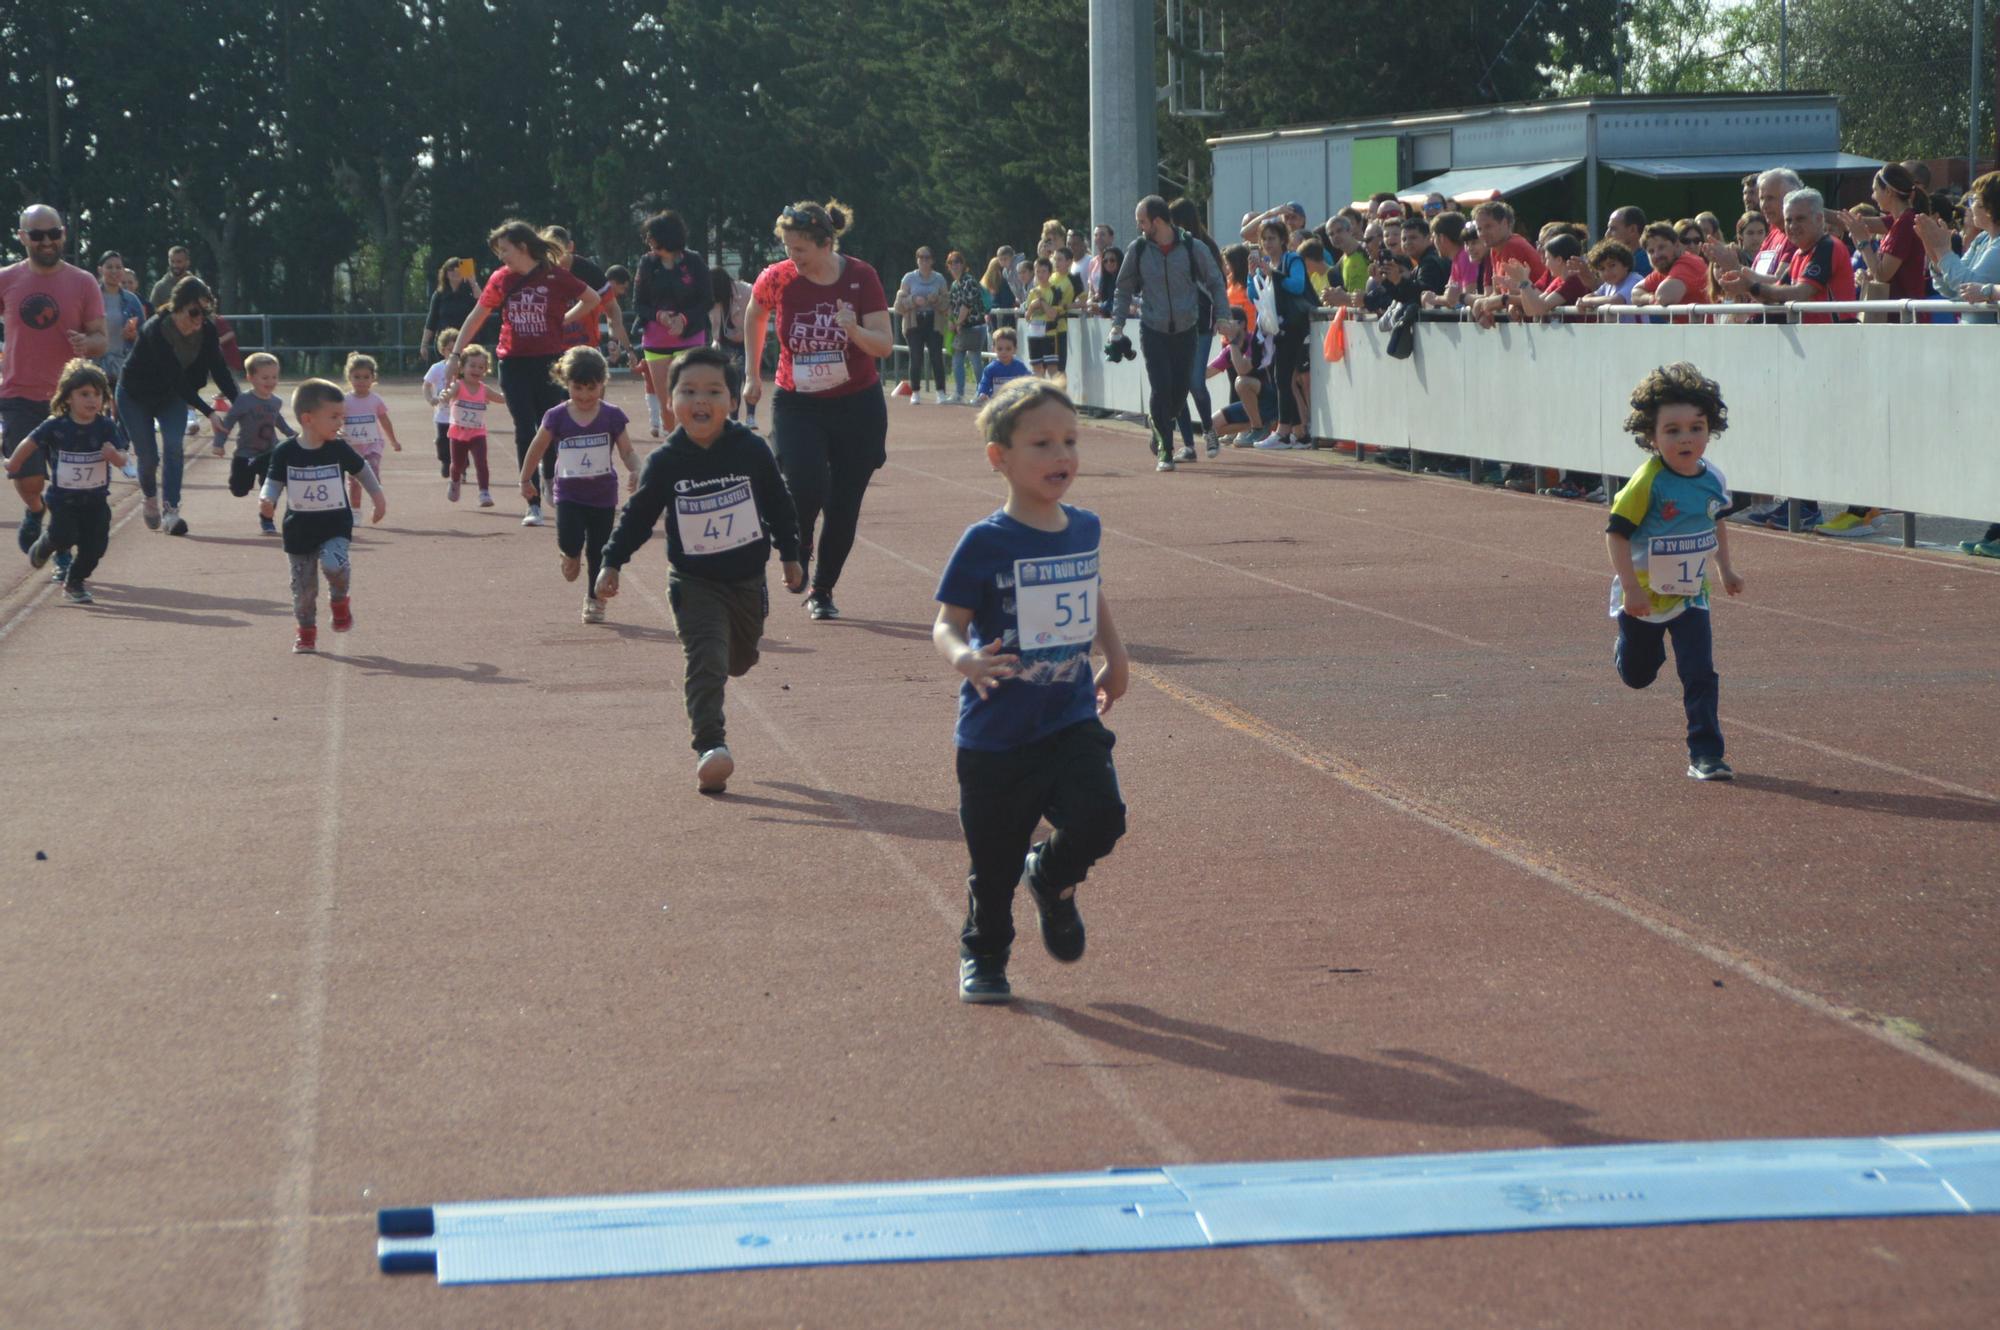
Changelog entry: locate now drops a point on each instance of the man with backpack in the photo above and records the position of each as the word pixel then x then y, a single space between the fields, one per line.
pixel 1167 267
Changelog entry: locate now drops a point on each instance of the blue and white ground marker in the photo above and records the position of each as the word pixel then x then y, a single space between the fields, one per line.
pixel 1192 1206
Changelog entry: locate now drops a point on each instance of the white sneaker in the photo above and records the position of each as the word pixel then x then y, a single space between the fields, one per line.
pixel 571 563
pixel 1271 441
pixel 1186 454
pixel 131 469
pixel 1164 464
pixel 170 521
pixel 534 517
pixel 593 610
pixel 1299 445
pixel 485 499
pixel 712 773
pixel 1214 444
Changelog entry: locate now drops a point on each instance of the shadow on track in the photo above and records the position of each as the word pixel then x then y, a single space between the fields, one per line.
pixel 477 672
pixel 171 598
pixel 850 812
pixel 1398 1085
pixel 908 632
pixel 1923 807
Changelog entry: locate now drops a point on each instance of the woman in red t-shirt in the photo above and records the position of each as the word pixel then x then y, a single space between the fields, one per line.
pixel 535 297
pixel 829 424
pixel 1899 262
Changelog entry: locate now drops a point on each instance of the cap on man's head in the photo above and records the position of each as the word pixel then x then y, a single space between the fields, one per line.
pixel 1298 208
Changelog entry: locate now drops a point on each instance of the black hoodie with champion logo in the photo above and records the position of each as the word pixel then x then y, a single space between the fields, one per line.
pixel 725 507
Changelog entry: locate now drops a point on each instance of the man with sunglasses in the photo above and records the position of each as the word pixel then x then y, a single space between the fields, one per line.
pixel 54 313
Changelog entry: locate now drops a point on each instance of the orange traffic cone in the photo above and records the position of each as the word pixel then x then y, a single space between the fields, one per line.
pixel 904 389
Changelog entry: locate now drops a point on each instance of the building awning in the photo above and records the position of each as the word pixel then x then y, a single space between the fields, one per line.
pixel 1739 164
pixel 1481 184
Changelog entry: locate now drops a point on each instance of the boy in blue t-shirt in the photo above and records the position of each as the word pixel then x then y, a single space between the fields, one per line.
pixel 79 445
pixel 1003 366
pixel 1019 608
pixel 1661 537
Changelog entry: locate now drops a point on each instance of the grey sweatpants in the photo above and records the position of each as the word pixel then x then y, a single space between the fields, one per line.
pixel 332 556
pixel 719 625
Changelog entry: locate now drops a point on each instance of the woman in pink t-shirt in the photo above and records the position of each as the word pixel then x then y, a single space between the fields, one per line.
pixel 534 296
pixel 829 423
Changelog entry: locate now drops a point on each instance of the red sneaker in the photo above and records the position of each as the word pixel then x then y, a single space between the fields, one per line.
pixel 306 641
pixel 343 614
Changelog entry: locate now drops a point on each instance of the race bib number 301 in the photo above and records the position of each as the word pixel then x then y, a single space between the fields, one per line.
pixel 315 489
pixel 1678 565
pixel 1055 601
pixel 712 523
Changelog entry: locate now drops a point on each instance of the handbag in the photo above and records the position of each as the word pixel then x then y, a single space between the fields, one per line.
pixel 1873 290
pixel 1400 320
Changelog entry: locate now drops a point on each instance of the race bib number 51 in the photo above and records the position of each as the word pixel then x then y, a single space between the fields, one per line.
pixel 1678 565
pixel 1055 600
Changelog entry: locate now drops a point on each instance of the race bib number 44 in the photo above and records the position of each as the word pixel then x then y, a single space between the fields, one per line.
pixel 315 489
pixel 712 523
pixel 82 471
pixel 1055 601
pixel 362 433
pixel 585 457
pixel 1678 565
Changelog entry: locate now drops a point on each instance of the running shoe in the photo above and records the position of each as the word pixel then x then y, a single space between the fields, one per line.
pixel 1273 440
pixel 170 521
pixel 305 642
pixel 1563 489
pixel 1299 445
pixel 451 492
pixel 1987 549
pixel 947 399
pixel 1186 454
pixel 1709 768
pixel 1598 495
pixel 39 550
pixel 444 470
pixel 31 530
pixel 593 610
pixel 1809 517
pixel 820 605
pixel 267 526
pixel 131 468
pixel 149 512
pixel 983 979
pixel 1850 524
pixel 1213 444
pixel 343 613
pixel 712 772
pixel 1246 440
pixel 78 594
pixel 1520 484
pixel 1164 464
pixel 569 563
pixel 534 515
pixel 63 561
pixel 1062 926
pixel 485 499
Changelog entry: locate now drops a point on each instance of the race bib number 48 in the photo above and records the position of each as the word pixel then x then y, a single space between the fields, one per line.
pixel 82 471
pixel 315 489
pixel 712 523
pixel 1055 600
pixel 1678 565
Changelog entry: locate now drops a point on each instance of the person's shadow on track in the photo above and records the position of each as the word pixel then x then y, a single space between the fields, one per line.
pixel 908 632
pixel 476 672
pixel 1403 1086
pixel 1923 807
pixel 850 812
pixel 172 598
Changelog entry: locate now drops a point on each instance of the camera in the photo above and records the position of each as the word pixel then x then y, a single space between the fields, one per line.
pixel 1119 348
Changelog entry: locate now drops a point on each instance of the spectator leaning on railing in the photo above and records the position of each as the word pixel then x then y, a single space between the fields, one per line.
pixel 1821 268
pixel 1973 277
pixel 1448 235
pixel 1627 226
pixel 1616 280
pixel 1679 276
pixel 1433 270
pixel 1495 223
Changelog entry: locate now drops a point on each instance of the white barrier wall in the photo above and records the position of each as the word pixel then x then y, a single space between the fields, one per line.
pixel 1892 415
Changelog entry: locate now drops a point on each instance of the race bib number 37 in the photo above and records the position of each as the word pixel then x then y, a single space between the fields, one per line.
pixel 1055 601
pixel 82 471
pixel 712 523
pixel 315 489
pixel 1678 565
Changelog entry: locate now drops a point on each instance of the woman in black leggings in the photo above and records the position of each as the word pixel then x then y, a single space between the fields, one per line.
pixel 829 423
pixel 534 297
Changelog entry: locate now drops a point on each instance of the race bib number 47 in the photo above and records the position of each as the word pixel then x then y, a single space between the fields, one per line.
pixel 1678 565
pixel 712 523
pixel 315 489
pixel 1055 601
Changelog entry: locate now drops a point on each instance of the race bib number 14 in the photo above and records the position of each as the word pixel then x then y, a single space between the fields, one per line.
pixel 1055 601
pixel 1678 565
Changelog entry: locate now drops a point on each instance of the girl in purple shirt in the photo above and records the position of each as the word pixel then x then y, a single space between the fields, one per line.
pixel 584 432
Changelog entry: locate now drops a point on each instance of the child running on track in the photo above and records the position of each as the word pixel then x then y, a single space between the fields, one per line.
pixel 730 507
pixel 583 431
pixel 319 523
pixel 1661 537
pixel 1020 606
pixel 368 425
pixel 79 443
pixel 467 397
pixel 436 379
pixel 262 418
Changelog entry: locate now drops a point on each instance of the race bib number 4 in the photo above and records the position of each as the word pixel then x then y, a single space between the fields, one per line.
pixel 1678 565
pixel 82 471
pixel 712 523
pixel 315 489
pixel 585 457
pixel 1055 601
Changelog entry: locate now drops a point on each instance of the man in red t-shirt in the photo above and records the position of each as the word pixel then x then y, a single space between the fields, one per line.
pixel 1495 223
pixel 1821 267
pixel 54 313
pixel 1679 276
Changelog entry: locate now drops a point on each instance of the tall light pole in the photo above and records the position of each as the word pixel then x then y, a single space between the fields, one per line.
pixel 1972 128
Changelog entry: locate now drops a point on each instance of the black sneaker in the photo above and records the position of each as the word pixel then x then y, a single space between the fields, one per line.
pixel 63 560
pixel 820 605
pixel 39 549
pixel 1710 768
pixel 1062 926
pixel 984 979
pixel 76 593
pixel 31 530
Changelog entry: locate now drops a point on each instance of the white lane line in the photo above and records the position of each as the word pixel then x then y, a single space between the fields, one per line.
pixel 1314 1300
pixel 1522 856
pixel 1769 732
pixel 284 1283
pixel 174 1229
pixel 35 602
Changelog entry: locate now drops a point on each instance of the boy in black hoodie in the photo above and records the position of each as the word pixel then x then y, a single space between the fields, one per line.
pixel 730 506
